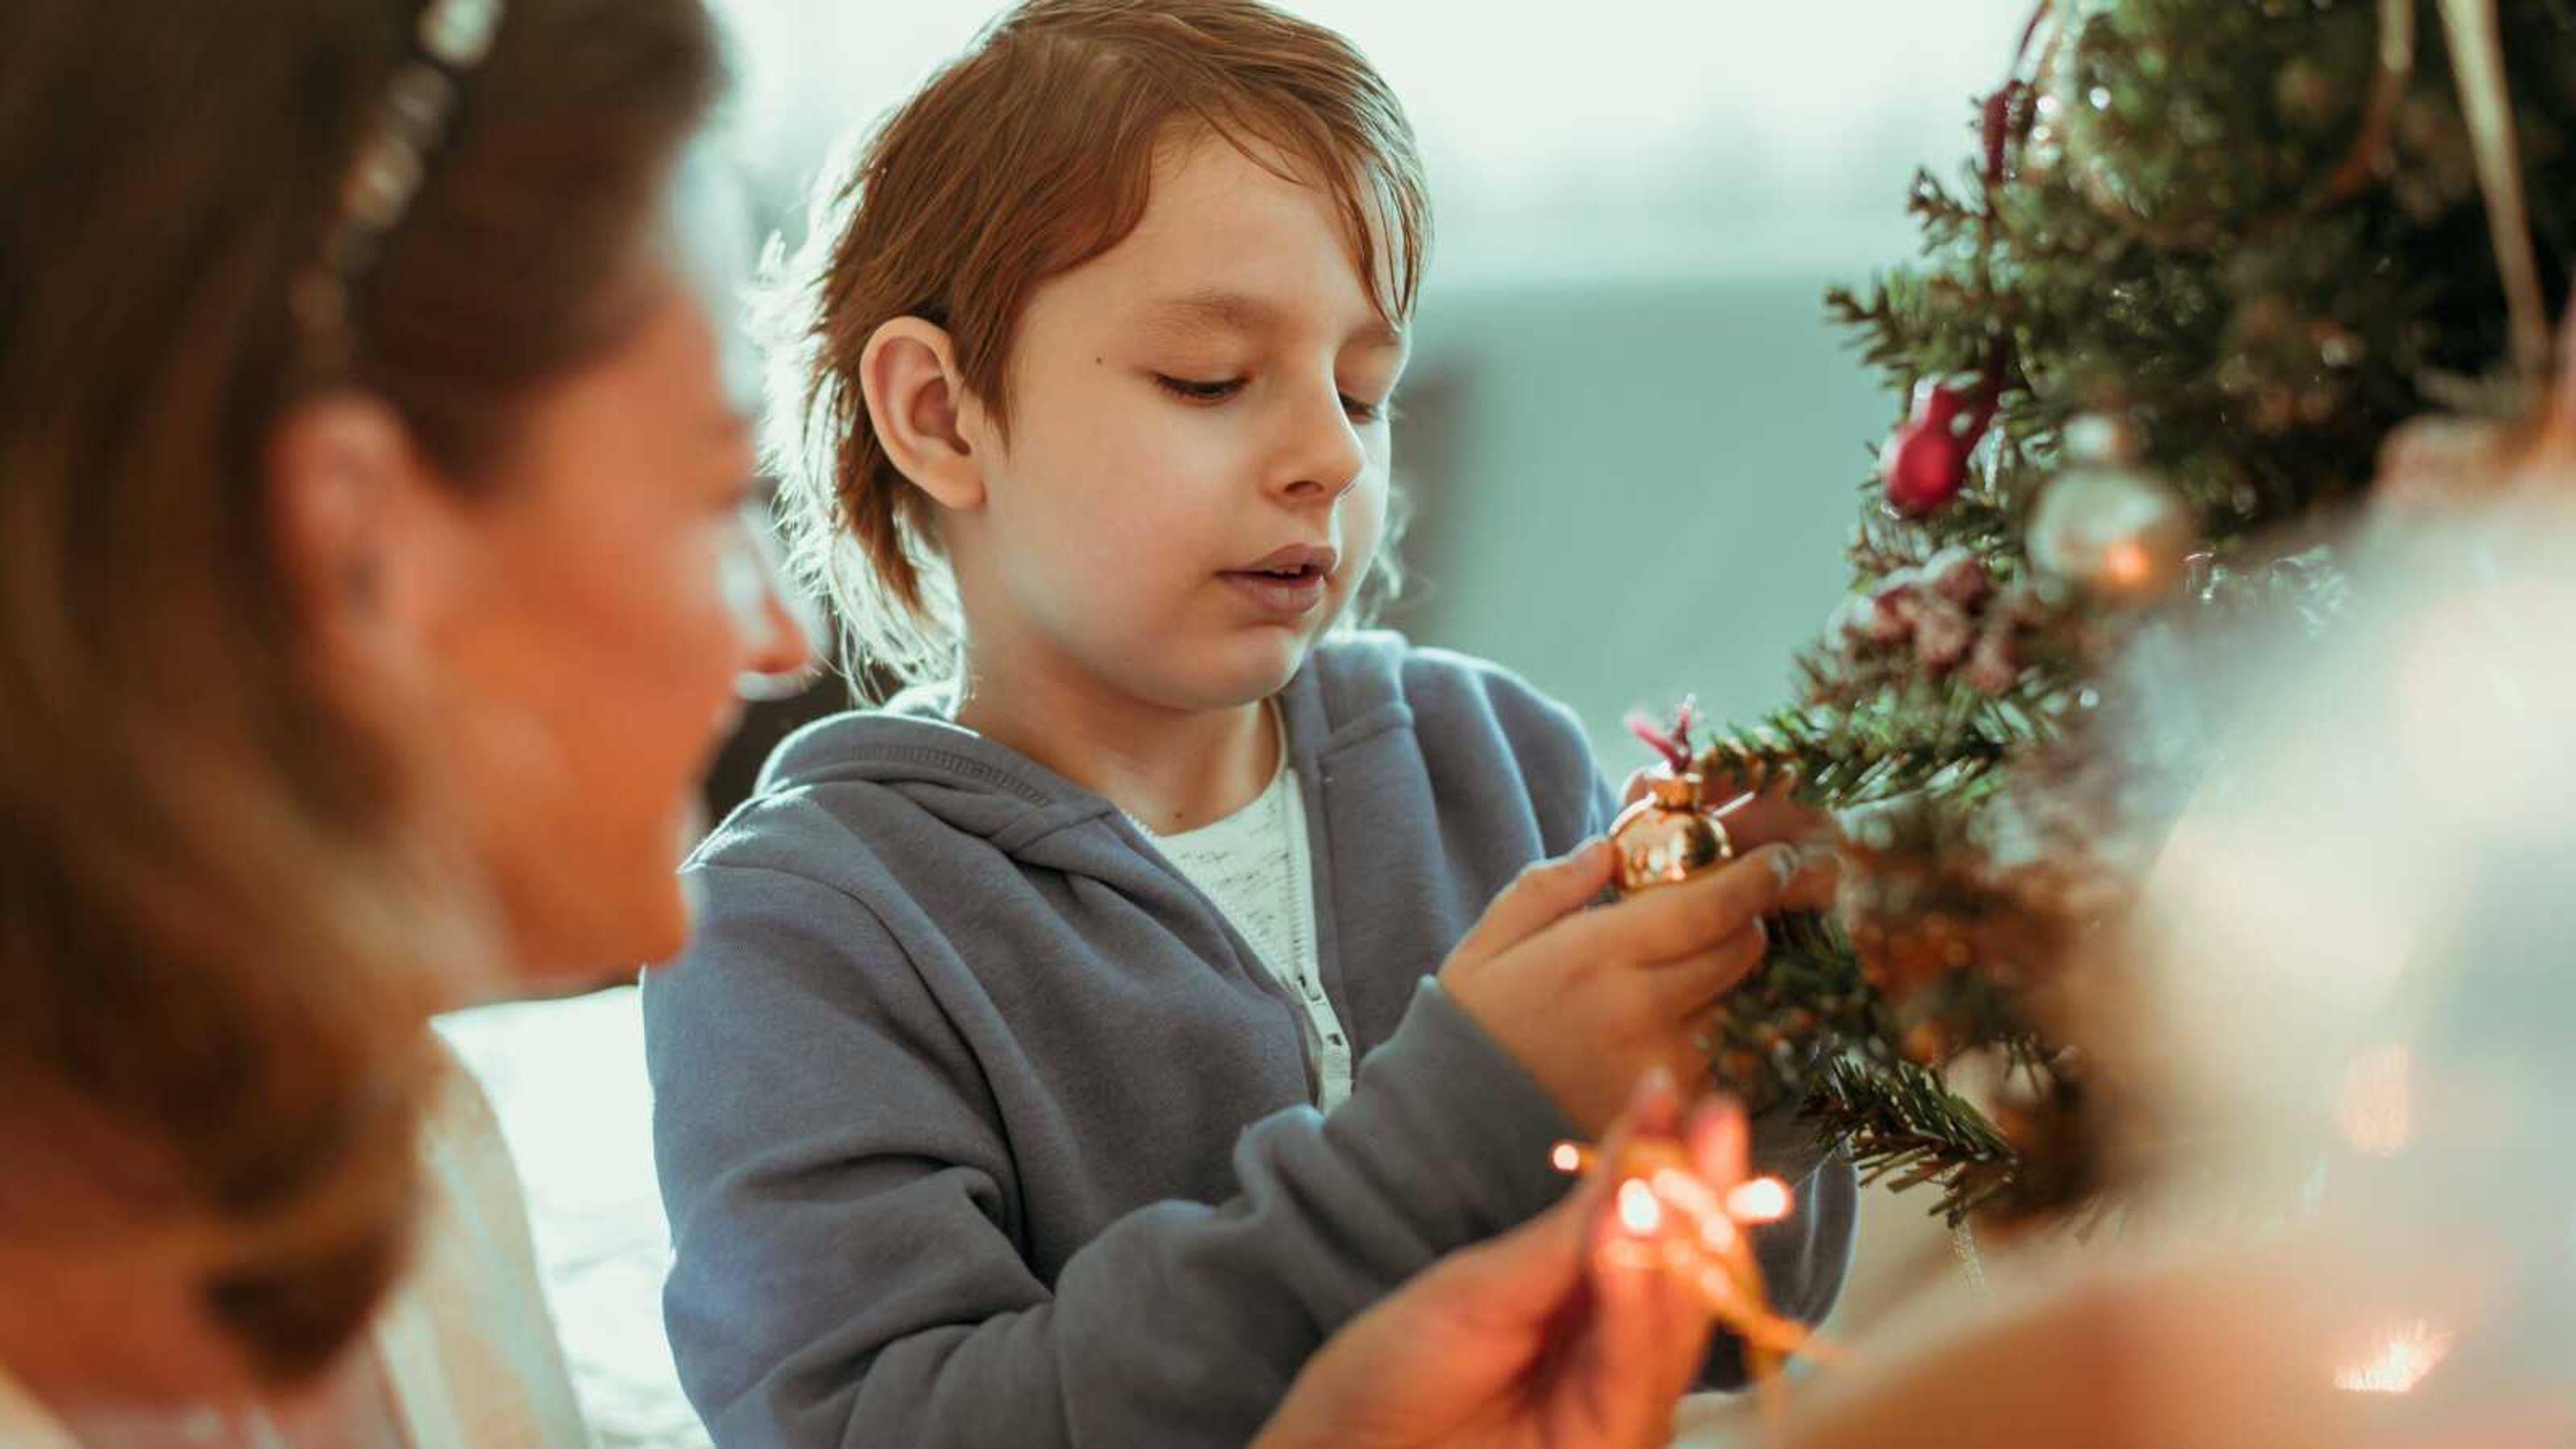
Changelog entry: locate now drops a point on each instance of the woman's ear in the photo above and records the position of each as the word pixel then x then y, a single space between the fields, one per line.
pixel 365 531
pixel 923 416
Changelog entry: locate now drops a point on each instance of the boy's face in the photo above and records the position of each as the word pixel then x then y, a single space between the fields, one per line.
pixel 1195 476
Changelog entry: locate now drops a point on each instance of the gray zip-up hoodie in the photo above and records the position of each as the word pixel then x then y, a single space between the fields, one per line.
pixel 978 1124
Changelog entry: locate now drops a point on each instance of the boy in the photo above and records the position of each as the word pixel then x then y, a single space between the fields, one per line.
pixel 957 1118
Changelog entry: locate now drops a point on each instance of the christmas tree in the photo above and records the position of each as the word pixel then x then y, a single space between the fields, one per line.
pixel 2207 257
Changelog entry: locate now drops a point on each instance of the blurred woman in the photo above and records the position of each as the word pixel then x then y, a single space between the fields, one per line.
pixel 376 579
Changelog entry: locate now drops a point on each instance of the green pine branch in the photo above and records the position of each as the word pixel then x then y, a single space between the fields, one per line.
pixel 1894 742
pixel 1807 1004
pixel 1902 1126
pixel 2162 249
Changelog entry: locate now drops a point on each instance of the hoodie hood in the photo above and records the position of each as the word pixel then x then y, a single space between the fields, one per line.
pixel 912 747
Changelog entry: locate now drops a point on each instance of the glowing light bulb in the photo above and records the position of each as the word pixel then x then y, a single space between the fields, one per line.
pixel 1639 1212
pixel 2398 1360
pixel 1763 1200
pixel 1685 1192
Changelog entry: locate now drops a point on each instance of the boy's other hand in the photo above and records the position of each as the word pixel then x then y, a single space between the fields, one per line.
pixel 1589 999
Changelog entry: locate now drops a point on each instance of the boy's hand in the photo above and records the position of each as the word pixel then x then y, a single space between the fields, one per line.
pixel 1588 1001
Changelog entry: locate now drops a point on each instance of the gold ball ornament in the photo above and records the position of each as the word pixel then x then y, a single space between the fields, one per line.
pixel 2108 526
pixel 1667 837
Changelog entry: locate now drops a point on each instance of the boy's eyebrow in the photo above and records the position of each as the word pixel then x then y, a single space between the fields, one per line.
pixel 1241 313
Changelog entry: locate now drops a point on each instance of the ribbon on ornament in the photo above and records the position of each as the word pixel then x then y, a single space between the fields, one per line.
pixel 2396 63
pixel 2486 104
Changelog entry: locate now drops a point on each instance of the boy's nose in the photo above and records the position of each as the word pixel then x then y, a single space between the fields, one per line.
pixel 1327 457
pixel 1307 490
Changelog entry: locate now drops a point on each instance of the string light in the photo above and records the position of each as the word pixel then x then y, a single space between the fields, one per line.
pixel 1763 1200
pixel 1673 1221
pixel 1639 1212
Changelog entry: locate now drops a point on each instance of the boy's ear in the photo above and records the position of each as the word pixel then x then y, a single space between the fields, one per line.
pixel 918 404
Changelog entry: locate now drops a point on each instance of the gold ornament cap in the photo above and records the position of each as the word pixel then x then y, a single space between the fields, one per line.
pixel 1666 837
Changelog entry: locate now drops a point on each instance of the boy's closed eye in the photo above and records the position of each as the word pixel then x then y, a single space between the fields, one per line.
pixel 1208 392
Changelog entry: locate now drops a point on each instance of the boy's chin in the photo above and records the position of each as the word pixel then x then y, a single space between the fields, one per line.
pixel 1244 672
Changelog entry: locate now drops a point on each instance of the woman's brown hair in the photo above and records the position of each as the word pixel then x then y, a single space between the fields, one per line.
pixel 217 928
pixel 1029 155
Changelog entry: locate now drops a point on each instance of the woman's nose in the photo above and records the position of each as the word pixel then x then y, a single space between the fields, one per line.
pixel 776 636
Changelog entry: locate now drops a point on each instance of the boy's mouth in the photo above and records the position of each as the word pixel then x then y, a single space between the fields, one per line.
pixel 1287 583
pixel 1296 559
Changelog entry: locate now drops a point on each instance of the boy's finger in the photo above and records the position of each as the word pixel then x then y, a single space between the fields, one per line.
pixel 1819 875
pixel 1689 988
pixel 1770 816
pixel 1683 919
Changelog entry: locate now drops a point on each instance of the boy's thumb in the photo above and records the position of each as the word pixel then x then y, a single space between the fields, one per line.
pixel 1546 893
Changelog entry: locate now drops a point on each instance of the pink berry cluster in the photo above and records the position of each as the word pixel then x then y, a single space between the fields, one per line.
pixel 1945 615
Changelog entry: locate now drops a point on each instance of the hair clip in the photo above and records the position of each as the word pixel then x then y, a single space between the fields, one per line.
pixel 392 162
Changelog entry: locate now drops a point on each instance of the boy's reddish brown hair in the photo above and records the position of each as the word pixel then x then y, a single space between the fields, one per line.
pixel 1029 155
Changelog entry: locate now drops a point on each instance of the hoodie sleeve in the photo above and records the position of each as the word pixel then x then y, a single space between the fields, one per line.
pixel 842 1202
pixel 1804 1256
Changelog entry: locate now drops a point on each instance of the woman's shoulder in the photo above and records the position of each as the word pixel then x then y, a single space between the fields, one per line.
pixel 467 1340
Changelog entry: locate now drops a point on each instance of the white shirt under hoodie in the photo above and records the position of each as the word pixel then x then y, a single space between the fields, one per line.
pixel 1255 866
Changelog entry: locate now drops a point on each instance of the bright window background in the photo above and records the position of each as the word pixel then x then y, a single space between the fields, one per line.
pixel 1673 134
pixel 1623 391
